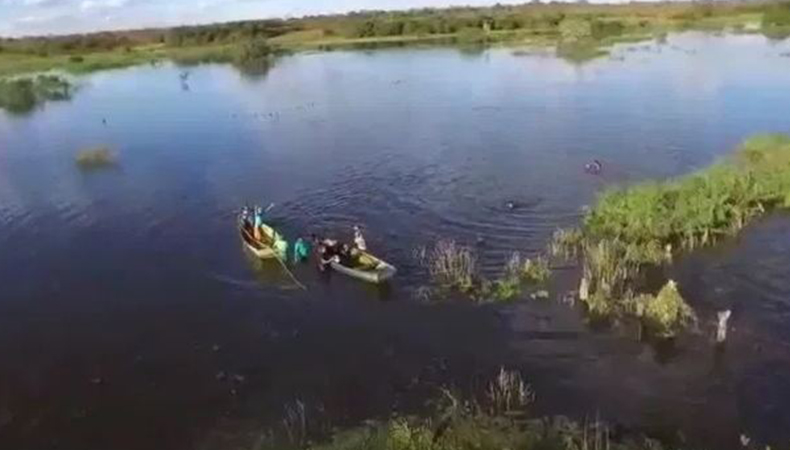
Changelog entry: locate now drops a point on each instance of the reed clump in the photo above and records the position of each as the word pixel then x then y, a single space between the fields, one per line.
pixel 95 158
pixel 631 229
pixel 450 265
pixel 454 268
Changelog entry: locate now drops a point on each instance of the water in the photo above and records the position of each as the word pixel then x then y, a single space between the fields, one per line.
pixel 130 317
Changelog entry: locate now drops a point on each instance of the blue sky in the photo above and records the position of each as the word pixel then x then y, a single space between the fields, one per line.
pixel 25 17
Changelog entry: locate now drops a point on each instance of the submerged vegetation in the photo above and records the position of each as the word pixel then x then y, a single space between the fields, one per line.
pixel 632 229
pixel 579 31
pixel 453 269
pixel 23 95
pixel 95 158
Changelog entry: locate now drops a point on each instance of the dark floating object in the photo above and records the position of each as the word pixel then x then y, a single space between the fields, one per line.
pixel 595 167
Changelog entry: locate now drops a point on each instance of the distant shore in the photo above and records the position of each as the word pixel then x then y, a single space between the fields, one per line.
pixel 578 31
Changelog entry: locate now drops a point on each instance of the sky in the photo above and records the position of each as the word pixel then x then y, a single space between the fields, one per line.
pixel 42 17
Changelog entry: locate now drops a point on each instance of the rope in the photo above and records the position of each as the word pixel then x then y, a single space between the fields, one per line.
pixel 282 263
pixel 290 274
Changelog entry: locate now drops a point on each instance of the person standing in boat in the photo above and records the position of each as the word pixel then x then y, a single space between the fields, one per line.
pixel 244 215
pixel 257 224
pixel 359 240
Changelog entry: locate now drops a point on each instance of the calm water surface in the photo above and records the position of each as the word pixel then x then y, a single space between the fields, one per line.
pixel 130 318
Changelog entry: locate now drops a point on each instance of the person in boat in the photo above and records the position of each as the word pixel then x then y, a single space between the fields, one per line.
pixel 359 240
pixel 301 250
pixel 257 225
pixel 346 255
pixel 246 219
pixel 327 255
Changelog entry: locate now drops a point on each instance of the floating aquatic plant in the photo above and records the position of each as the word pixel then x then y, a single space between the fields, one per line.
pixel 95 158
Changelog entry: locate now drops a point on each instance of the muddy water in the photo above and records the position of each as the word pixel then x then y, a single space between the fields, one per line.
pixel 130 318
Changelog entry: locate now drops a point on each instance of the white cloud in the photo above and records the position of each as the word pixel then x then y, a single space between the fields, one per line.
pixel 102 4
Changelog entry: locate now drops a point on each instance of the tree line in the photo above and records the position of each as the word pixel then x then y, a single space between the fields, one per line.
pixel 609 19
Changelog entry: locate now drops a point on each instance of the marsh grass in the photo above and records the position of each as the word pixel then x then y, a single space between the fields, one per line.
pixel 641 226
pixel 95 158
pixel 454 268
pixel 499 420
pixel 295 423
pixel 450 265
pixel 508 393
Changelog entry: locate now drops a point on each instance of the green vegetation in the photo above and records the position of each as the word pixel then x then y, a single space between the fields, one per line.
pixel 23 95
pixel 580 31
pixel 453 269
pixel 95 158
pixel 634 228
pixel 495 418
pixel 776 20
pixel 451 266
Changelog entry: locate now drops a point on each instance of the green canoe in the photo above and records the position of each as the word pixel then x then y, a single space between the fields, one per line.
pixel 367 268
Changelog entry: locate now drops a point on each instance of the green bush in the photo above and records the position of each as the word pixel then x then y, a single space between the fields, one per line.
pixel 667 312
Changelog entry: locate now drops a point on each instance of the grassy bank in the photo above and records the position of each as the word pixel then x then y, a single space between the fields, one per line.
pixel 579 31
pixel 629 230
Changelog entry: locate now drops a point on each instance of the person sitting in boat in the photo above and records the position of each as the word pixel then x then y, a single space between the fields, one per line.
pixel 359 240
pixel 327 255
pixel 301 250
pixel 346 255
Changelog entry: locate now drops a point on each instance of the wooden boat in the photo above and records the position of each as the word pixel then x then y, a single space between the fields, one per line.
pixel 367 267
pixel 263 248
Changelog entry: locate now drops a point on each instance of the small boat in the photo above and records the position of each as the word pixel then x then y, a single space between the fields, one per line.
pixel 367 267
pixel 263 248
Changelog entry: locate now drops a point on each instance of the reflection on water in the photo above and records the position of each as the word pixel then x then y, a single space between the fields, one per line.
pixel 127 293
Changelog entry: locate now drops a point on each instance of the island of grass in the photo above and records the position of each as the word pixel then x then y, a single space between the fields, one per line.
pixel 22 95
pixel 631 229
pixel 579 31
pixel 95 158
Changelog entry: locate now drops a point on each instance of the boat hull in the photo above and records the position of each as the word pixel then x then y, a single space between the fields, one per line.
pixel 382 272
pixel 261 249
